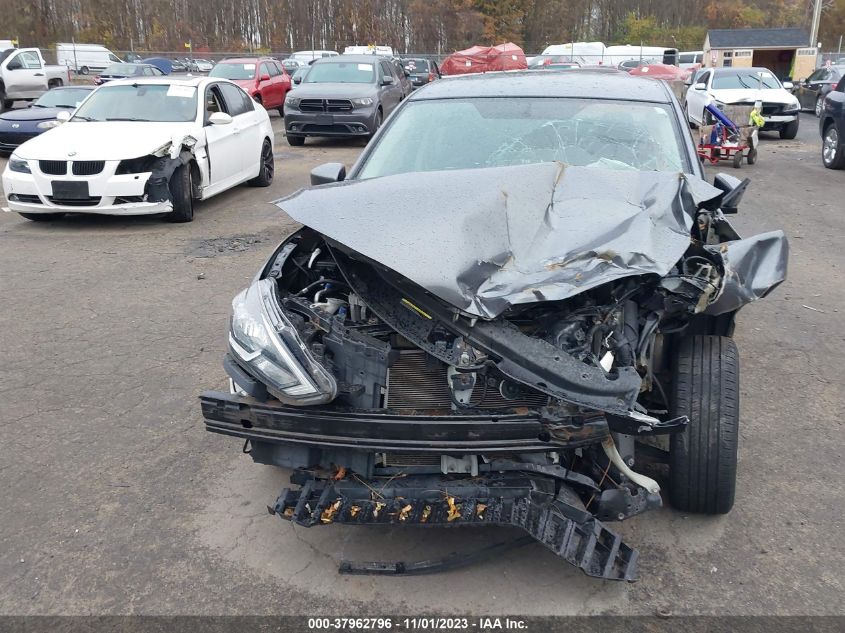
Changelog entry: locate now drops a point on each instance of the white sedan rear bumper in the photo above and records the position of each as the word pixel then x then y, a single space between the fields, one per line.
pixel 109 193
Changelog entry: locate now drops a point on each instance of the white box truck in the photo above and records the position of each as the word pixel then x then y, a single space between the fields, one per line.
pixel 85 58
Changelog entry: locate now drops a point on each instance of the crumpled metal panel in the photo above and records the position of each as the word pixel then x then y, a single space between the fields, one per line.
pixel 753 268
pixel 487 239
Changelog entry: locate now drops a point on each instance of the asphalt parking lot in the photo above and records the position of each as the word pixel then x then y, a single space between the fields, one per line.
pixel 115 500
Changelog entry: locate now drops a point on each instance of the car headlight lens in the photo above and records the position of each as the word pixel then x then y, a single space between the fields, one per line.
pixel 19 165
pixel 365 101
pixel 266 343
pixel 46 125
pixel 293 102
pixel 793 106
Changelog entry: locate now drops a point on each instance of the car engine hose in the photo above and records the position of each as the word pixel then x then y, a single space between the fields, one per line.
pixel 616 459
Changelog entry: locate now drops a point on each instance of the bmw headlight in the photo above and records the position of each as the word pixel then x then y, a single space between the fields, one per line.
pixel 365 101
pixel 266 343
pixel 46 125
pixel 16 163
pixel 293 102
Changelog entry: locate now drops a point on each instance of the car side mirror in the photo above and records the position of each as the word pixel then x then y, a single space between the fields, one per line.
pixel 62 116
pixel 220 118
pixel 297 80
pixel 328 173
pixel 14 65
pixel 700 86
pixel 734 189
pixel 387 81
pixel 788 85
pixel 264 77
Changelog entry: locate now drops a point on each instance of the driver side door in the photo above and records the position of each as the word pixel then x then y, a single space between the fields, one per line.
pixel 25 76
pixel 697 99
pixel 223 145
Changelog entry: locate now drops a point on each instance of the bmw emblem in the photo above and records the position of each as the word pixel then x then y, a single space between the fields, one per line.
pixel 71 153
pixel 15 125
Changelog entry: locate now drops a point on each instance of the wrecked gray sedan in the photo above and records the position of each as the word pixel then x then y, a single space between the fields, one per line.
pixel 519 302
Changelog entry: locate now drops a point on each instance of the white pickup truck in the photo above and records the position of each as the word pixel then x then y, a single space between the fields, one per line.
pixel 24 76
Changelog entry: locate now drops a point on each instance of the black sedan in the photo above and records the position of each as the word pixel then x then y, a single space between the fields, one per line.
pixel 125 71
pixel 812 91
pixel 420 71
pixel 17 126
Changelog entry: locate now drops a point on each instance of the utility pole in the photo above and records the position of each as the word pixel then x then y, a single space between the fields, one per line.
pixel 817 16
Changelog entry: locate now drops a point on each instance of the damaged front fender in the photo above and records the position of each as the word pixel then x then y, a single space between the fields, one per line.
pixel 170 156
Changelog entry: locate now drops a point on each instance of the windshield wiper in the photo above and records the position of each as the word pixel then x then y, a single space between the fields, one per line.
pixel 117 118
pixel 79 117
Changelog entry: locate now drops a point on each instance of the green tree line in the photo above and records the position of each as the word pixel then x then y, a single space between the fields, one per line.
pixel 431 26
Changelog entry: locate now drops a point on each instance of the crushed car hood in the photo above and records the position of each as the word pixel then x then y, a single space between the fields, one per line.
pixel 109 140
pixel 487 239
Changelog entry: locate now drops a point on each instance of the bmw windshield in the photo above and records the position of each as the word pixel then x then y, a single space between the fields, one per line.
pixel 491 132
pixel 140 102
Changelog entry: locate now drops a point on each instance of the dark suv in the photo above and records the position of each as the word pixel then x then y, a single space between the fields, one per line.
pixel 832 127
pixel 346 95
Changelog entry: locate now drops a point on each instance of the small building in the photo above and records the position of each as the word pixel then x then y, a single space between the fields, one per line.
pixel 787 52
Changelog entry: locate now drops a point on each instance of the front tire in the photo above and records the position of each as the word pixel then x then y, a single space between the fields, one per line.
pixel 790 130
pixel 42 217
pixel 180 192
pixel 833 155
pixel 268 167
pixel 702 460
pixel 295 141
pixel 84 70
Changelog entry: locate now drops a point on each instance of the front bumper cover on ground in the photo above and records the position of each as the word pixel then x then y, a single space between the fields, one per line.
pixel 558 521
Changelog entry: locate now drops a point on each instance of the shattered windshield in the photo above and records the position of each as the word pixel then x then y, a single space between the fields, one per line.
pixel 493 132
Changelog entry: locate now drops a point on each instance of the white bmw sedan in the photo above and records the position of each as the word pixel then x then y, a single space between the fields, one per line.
pixel 143 146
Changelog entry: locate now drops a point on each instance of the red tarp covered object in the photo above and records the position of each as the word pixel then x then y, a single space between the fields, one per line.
pixel 481 59
pixel 662 71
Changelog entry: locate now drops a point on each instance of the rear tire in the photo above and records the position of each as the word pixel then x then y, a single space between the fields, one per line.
pixel 42 217
pixel 180 192
pixel 84 70
pixel 819 104
pixel 268 166
pixel 790 130
pixel 752 156
pixel 295 141
pixel 702 460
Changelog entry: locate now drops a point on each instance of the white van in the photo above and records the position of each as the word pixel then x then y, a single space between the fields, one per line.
pixel 309 56
pixel 387 51
pixel 585 53
pixel 688 59
pixel 85 58
pixel 615 55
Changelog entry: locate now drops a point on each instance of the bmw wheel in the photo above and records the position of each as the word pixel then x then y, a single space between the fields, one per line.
pixel 832 154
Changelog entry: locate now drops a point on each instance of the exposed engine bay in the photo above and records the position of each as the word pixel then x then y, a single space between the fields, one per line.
pixel 515 392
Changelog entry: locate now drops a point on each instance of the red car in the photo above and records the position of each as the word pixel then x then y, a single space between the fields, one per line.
pixel 263 78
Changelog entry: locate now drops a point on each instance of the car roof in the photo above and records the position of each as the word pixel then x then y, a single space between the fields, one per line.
pixel 351 58
pixel 740 71
pixel 575 82
pixel 164 80
pixel 73 87
pixel 246 60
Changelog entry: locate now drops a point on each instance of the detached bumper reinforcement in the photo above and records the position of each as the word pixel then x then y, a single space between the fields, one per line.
pixel 557 520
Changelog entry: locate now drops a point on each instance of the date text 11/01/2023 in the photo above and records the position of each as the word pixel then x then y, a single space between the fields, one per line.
pixel 417 624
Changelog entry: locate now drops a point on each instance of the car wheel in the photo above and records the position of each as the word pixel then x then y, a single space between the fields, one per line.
pixel 790 130
pixel 819 104
pixel 702 459
pixel 737 159
pixel 42 217
pixel 180 192
pixel 268 167
pixel 377 124
pixel 832 155
pixel 281 111
pixel 752 156
pixel 84 70
pixel 295 141
pixel 4 104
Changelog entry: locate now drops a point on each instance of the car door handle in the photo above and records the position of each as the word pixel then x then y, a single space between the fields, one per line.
pixel 236 131
pixel 39 74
